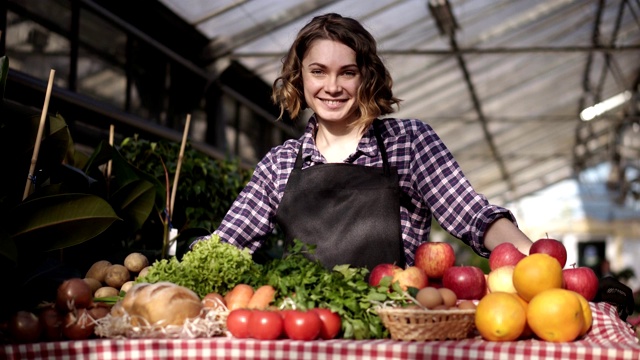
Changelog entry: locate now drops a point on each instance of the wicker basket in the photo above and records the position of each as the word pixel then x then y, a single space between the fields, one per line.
pixel 422 325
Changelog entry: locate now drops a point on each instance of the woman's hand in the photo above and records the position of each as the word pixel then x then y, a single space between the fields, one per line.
pixel 503 230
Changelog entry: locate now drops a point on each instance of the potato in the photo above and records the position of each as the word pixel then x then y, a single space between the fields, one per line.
pixel 106 291
pixel 144 271
pixel 98 270
pixel 135 262
pixel 117 275
pixel 94 284
pixel 126 286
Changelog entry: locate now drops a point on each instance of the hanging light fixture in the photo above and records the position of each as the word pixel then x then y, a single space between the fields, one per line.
pixel 602 107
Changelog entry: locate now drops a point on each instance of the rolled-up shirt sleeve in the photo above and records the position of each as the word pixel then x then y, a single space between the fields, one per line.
pixel 453 202
pixel 249 220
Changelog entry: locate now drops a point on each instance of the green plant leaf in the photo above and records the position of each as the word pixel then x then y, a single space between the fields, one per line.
pixel 59 221
pixel 123 172
pixel 100 156
pixel 134 202
pixel 18 131
pixel 55 143
pixel 8 247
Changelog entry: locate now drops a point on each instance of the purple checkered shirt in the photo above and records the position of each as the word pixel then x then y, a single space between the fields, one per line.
pixel 428 174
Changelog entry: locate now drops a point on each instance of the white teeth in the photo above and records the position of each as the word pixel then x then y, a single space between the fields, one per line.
pixel 332 102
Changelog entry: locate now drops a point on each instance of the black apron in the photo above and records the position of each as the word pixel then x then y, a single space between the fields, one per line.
pixel 350 212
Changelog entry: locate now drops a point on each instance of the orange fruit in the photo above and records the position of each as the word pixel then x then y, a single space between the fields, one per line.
pixel 500 317
pixel 556 315
pixel 527 332
pixel 536 273
pixel 586 312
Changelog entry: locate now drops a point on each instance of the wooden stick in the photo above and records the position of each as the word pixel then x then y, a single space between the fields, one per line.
pixel 109 163
pixel 179 165
pixel 111 135
pixel 36 149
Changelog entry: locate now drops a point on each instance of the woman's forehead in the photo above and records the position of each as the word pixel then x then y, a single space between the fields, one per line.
pixel 329 51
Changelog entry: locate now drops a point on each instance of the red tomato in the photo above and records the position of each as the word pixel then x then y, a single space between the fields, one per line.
pixel 76 325
pixel 265 324
pixel 284 313
pixel 24 326
pixel 238 323
pixel 73 293
pixel 331 323
pixel 302 325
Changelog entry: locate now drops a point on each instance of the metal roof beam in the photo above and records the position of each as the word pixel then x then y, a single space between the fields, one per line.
pixel 481 118
pixel 487 51
pixel 221 49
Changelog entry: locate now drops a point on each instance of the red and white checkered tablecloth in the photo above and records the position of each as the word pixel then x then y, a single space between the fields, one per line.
pixel 610 339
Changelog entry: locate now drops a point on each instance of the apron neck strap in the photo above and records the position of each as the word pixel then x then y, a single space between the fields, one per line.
pixel 383 151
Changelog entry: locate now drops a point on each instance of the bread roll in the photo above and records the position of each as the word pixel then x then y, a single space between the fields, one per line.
pixel 162 303
pixel 131 295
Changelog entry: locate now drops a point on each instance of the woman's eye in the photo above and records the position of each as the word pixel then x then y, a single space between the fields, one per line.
pixel 350 73
pixel 316 72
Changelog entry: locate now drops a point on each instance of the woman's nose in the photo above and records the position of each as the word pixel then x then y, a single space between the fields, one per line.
pixel 332 85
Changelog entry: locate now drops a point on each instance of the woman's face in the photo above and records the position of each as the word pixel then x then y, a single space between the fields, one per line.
pixel 331 80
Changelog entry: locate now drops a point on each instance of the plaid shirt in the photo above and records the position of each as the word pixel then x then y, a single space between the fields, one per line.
pixel 429 176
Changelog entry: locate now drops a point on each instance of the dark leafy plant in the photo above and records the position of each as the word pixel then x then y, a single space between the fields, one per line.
pixel 75 215
pixel 205 192
pixel 44 237
pixel 207 186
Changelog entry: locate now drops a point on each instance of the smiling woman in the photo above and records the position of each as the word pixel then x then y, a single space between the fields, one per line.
pixel 381 180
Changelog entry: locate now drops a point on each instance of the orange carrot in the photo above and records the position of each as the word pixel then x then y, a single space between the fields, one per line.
pixel 262 297
pixel 239 296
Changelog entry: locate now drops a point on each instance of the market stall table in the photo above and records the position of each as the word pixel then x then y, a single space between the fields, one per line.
pixel 610 339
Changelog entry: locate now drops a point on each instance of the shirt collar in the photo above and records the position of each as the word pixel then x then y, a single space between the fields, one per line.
pixel 368 145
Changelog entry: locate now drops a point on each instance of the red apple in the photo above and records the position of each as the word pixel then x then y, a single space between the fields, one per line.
pixel 468 282
pixel 434 258
pixel 582 280
pixel 380 271
pixel 503 255
pixel 551 247
pixel 412 276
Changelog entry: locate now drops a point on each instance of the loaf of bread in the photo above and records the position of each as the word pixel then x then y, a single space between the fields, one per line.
pixel 160 304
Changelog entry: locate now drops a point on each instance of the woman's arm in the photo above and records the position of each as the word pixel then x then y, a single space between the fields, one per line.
pixel 503 230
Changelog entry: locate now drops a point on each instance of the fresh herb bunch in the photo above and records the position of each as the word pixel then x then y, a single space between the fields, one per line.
pixel 211 266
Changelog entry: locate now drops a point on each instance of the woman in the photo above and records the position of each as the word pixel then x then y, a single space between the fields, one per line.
pixel 362 189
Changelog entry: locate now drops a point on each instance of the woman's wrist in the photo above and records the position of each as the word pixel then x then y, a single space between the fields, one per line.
pixel 503 230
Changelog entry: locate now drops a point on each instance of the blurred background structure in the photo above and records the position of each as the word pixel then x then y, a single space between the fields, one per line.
pixel 537 100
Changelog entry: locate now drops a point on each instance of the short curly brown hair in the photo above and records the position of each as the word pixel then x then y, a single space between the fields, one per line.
pixel 374 96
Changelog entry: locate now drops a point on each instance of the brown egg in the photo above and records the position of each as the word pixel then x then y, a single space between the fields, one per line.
pixel 466 304
pixel 448 296
pixel 429 297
